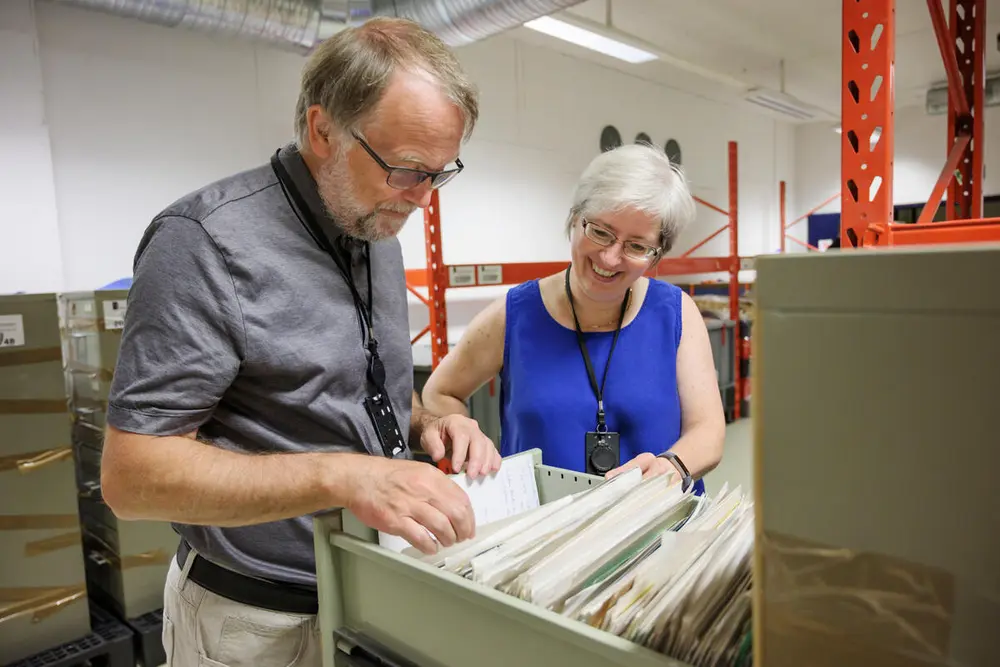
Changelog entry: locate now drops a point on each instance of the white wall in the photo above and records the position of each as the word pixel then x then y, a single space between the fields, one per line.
pixel 30 254
pixel 921 149
pixel 138 115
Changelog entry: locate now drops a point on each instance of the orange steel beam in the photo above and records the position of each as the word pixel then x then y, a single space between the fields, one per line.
pixel 437 279
pixel 714 234
pixel 805 245
pixel 711 206
pixel 946 43
pixel 679 266
pixel 828 200
pixel 781 205
pixel 510 274
pixel 420 335
pixel 867 105
pixel 968 43
pixel 414 292
pixel 959 231
pixel 947 174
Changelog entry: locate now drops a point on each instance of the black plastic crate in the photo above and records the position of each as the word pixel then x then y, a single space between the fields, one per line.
pixel 109 645
pixel 147 630
pixel 148 634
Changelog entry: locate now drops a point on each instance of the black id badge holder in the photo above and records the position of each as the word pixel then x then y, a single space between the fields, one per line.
pixel 602 448
pixel 380 411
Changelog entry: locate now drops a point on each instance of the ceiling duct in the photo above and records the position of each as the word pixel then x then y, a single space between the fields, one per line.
pixel 301 25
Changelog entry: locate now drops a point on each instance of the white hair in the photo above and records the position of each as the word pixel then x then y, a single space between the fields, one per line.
pixel 638 176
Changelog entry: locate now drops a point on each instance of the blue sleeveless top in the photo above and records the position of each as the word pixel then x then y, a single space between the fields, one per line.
pixel 546 400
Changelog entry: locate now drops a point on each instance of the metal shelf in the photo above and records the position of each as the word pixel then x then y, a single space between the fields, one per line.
pixel 867 105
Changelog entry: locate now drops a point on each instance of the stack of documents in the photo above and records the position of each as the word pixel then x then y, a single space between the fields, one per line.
pixel 638 558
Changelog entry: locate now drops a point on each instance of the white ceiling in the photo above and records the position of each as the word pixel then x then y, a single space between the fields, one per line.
pixel 747 40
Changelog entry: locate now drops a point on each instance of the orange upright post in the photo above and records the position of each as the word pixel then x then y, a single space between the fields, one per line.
pixel 734 278
pixel 437 281
pixel 867 105
pixel 965 115
pixel 437 284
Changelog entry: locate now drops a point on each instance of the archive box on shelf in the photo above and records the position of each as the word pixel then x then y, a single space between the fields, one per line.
pixel 438 619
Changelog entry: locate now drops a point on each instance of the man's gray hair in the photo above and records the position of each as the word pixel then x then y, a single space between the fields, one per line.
pixel 638 176
pixel 348 73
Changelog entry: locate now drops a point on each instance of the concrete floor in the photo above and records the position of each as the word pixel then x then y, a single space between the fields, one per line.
pixel 736 466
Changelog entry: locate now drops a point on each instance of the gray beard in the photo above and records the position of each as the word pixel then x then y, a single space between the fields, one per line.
pixel 337 191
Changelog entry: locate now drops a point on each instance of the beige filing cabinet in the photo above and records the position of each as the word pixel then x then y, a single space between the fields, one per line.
pixel 127 561
pixel 42 588
pixel 877 454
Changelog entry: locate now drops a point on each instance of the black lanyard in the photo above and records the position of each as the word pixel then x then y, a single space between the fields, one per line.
pixel 598 391
pixel 376 370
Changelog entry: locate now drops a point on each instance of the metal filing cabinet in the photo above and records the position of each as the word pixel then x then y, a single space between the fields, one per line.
pixel 42 584
pixel 126 561
pixel 876 458
pixel 401 603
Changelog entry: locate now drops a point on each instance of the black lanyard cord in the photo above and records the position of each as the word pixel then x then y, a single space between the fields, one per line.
pixel 376 370
pixel 598 391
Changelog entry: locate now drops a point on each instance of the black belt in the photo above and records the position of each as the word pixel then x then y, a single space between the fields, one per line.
pixel 265 594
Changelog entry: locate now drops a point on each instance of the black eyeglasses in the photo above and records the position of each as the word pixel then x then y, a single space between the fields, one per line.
pixel 404 178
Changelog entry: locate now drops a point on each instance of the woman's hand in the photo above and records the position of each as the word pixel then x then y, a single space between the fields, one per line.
pixel 649 464
pixel 459 437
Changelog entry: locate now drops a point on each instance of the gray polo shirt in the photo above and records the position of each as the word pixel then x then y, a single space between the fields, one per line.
pixel 240 327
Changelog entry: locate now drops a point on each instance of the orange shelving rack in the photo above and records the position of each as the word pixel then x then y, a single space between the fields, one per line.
pixel 867 139
pixel 439 277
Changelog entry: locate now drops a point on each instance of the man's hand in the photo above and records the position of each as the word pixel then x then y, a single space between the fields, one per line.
pixel 650 465
pixel 460 437
pixel 408 499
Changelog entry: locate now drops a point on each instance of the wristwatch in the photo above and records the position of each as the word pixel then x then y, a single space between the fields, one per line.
pixel 686 480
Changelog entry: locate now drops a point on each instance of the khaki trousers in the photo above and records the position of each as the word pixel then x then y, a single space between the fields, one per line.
pixel 202 629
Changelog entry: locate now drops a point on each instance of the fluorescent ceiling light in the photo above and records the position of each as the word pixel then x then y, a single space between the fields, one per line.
pixel 590 40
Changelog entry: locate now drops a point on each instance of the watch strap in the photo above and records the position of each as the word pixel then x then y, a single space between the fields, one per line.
pixel 686 480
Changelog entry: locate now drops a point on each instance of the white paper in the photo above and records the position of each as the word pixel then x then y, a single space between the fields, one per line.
pixel 114 314
pixel 506 493
pixel 11 330
pixel 509 491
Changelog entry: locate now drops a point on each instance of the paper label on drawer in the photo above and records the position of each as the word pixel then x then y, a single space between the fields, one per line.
pixel 114 314
pixel 11 330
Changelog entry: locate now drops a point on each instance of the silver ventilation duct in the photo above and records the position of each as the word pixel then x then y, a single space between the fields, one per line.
pixel 302 24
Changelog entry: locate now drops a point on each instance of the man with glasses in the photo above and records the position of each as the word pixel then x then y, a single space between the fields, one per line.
pixel 600 366
pixel 265 370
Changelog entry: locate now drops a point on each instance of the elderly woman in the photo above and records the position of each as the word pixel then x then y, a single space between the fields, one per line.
pixel 601 367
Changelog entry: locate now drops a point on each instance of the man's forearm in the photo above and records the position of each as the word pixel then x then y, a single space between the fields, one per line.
pixel 183 480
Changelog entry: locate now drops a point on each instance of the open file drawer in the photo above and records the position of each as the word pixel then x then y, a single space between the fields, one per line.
pixel 437 619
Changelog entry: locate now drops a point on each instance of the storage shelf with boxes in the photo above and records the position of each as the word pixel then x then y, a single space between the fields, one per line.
pixel 127 561
pixel 65 560
pixel 43 594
